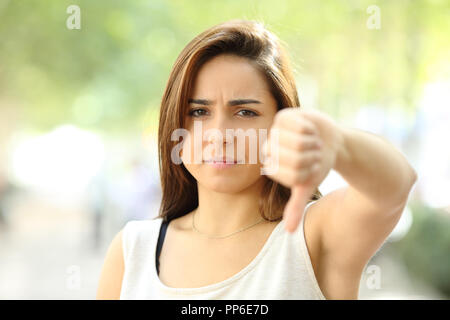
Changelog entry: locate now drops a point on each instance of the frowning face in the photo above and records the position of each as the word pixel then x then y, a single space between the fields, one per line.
pixel 229 93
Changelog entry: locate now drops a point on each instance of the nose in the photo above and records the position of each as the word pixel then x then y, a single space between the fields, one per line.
pixel 216 132
pixel 217 136
pixel 218 144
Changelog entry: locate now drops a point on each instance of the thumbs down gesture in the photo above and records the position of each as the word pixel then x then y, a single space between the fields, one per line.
pixel 306 150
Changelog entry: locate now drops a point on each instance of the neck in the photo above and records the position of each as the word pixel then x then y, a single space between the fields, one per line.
pixel 221 213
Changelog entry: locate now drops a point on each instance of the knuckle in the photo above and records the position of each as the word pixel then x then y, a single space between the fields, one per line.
pixel 309 128
pixel 317 155
pixel 309 143
pixel 283 113
pixel 298 162
pixel 310 157
pixel 303 128
pixel 307 160
pixel 299 143
pixel 300 129
pixel 300 177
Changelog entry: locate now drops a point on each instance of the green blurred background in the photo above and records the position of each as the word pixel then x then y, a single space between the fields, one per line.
pixel 79 114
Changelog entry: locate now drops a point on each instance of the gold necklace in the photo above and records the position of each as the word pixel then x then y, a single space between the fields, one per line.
pixel 222 237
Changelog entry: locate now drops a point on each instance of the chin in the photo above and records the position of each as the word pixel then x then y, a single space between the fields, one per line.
pixel 225 181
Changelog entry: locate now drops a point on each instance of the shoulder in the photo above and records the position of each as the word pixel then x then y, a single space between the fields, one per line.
pixel 136 227
pixel 134 232
pixel 311 226
pixel 112 271
pixel 328 274
pixel 309 229
pixel 312 238
pixel 137 232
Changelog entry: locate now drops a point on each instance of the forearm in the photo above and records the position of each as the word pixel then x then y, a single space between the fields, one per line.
pixel 374 167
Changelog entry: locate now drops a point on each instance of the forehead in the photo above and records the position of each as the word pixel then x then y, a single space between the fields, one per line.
pixel 230 75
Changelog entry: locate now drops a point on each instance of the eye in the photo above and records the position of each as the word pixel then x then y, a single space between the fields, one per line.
pixel 197 112
pixel 248 113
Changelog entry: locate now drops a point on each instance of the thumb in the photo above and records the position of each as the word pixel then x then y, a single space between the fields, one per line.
pixel 295 206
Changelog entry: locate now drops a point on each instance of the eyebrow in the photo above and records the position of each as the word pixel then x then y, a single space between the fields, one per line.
pixel 231 103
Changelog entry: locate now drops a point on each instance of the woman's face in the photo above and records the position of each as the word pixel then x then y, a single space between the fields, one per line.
pixel 228 93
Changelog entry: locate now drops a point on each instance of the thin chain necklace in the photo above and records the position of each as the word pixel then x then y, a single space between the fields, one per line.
pixel 226 236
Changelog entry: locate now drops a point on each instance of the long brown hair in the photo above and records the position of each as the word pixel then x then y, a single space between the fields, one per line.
pixel 265 51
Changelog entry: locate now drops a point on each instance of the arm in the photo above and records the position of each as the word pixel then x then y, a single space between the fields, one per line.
pixel 355 220
pixel 375 169
pixel 112 272
pixel 350 223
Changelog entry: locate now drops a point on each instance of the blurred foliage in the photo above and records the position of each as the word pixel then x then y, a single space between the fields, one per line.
pixel 111 73
pixel 426 247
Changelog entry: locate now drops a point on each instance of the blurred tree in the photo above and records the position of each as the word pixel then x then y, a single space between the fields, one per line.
pixel 110 72
pixel 426 248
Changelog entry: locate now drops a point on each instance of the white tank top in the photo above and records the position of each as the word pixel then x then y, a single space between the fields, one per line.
pixel 281 270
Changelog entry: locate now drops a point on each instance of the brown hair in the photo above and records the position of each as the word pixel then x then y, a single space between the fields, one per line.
pixel 264 50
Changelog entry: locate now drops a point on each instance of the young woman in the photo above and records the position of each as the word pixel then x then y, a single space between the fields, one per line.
pixel 226 231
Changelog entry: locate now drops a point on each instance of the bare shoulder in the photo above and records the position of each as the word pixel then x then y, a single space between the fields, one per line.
pixel 110 282
pixel 335 282
pixel 312 221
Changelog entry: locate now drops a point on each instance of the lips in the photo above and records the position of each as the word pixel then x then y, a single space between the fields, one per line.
pixel 222 161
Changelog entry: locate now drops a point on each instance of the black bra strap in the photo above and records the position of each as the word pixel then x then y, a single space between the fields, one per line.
pixel 162 234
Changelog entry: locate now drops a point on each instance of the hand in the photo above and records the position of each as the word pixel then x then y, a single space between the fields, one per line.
pixel 307 149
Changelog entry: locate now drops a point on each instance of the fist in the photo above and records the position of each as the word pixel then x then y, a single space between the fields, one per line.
pixel 302 157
